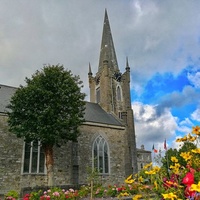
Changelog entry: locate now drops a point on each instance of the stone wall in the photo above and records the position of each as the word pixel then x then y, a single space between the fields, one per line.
pixel 11 163
pixel 10 158
pixel 69 159
pixel 117 145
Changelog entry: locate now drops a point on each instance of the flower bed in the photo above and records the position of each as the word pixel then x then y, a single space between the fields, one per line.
pixel 179 180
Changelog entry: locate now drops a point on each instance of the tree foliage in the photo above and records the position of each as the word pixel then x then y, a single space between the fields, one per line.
pixel 166 161
pixel 49 108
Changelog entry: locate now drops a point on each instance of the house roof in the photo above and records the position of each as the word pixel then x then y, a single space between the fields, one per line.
pixel 93 112
pixel 5 95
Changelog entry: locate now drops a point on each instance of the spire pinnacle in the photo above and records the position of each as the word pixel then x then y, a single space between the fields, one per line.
pixel 107 46
pixel 90 71
pixel 127 64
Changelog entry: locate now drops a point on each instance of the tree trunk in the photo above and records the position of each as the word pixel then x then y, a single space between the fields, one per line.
pixel 48 149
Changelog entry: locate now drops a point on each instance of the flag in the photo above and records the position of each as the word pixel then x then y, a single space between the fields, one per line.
pixel 155 150
pixel 165 145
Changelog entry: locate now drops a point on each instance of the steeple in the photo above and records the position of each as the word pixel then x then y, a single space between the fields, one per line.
pixel 107 47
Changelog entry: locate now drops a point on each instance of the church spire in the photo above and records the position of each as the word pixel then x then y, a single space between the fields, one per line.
pixel 107 46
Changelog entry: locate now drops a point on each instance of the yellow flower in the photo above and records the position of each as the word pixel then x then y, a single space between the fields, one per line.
pixel 178 140
pixel 186 155
pixel 137 196
pixel 174 159
pixel 129 180
pixel 175 168
pixel 156 169
pixel 197 150
pixel 140 179
pixel 184 138
pixel 196 130
pixel 150 172
pixel 172 183
pixel 176 165
pixel 156 185
pixel 124 194
pixel 195 187
pixel 170 195
pixel 191 138
pixel 130 177
pixel 147 166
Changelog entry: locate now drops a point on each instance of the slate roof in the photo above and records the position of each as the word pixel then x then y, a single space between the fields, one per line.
pixel 93 112
pixel 5 95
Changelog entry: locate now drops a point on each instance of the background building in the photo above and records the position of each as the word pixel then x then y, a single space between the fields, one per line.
pixel 143 157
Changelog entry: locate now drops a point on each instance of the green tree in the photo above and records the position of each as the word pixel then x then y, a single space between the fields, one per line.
pixel 48 109
pixel 166 160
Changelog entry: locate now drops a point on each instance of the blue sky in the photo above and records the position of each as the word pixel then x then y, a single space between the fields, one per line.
pixel 160 38
pixel 175 98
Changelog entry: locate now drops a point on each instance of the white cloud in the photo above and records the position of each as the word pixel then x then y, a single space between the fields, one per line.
pixel 150 128
pixel 185 123
pixel 155 35
pixel 195 79
pixel 196 115
pixel 176 145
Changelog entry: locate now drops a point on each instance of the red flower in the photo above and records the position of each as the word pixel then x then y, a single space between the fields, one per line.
pixel 188 193
pixel 188 180
pixel 26 197
pixel 191 169
pixel 119 189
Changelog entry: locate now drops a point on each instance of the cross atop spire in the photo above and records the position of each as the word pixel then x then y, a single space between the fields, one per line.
pixel 107 46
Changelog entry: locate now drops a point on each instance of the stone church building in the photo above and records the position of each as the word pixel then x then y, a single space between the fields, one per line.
pixel 107 141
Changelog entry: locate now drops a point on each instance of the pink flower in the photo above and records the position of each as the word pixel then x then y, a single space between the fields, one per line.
pixel 57 194
pixel 67 192
pixel 71 190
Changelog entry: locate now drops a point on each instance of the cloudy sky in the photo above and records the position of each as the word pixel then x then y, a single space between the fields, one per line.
pixel 160 38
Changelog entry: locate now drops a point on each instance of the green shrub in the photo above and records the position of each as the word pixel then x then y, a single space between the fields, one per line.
pixel 12 195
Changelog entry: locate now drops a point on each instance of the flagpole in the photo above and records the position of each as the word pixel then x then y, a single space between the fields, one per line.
pixel 153 149
pixel 165 147
pixel 167 164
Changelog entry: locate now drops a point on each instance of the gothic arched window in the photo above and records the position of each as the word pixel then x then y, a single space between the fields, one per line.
pixel 119 95
pixel 100 155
